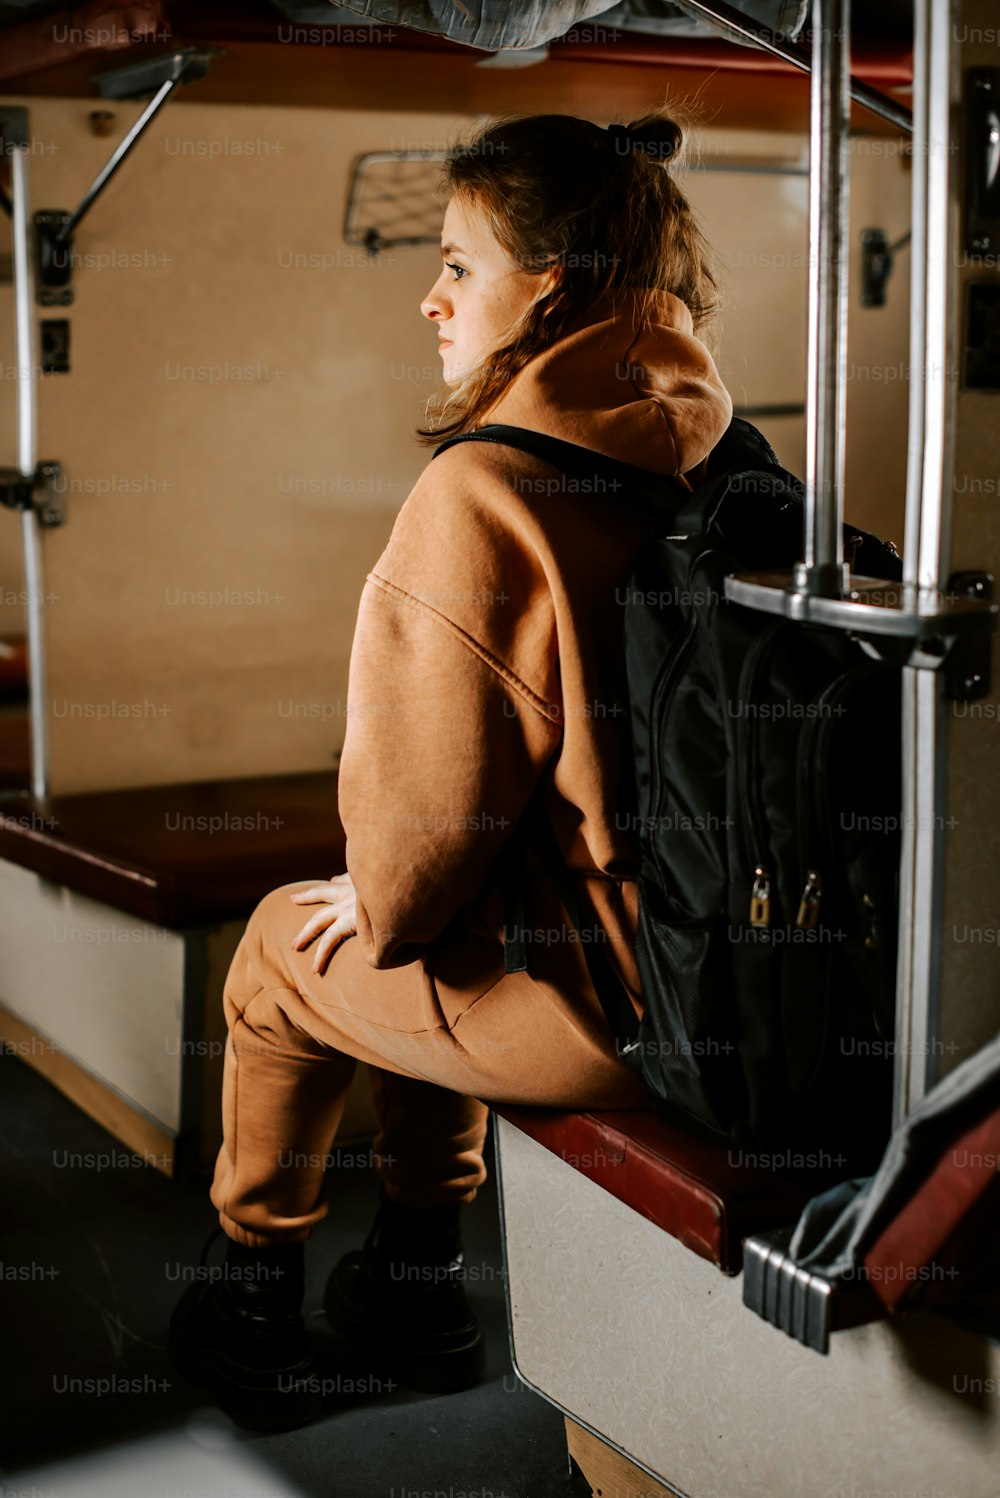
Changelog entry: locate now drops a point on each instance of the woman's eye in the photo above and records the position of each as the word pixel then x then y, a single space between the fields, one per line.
pixel 452 266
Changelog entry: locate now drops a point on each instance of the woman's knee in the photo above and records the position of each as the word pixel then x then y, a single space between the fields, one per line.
pixel 256 963
pixel 278 908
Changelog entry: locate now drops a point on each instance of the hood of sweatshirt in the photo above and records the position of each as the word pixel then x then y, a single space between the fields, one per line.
pixel 650 397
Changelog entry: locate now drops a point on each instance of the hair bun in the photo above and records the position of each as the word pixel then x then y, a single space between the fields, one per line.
pixel 659 138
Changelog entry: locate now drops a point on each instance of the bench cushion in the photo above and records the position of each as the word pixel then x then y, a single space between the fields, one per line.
pixel 697 1191
pixel 13 669
pixel 181 855
pixel 15 752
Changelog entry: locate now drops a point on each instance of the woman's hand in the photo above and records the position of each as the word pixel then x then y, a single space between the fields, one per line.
pixel 338 918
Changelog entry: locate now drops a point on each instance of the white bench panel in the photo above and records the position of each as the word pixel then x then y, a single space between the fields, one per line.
pixel 652 1347
pixel 105 986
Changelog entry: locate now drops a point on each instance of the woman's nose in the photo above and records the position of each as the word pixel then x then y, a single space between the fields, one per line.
pixel 434 305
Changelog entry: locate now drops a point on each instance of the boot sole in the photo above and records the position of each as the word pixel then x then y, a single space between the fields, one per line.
pixel 253 1400
pixel 444 1370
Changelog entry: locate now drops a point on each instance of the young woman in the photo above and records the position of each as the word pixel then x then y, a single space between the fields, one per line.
pixel 486 688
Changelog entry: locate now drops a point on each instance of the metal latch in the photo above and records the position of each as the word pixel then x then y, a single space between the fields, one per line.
pixel 38 491
pixel 967 667
pixel 54 258
pixel 982 152
pixel 877 260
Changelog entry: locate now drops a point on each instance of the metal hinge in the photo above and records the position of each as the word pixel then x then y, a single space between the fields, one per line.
pixel 37 491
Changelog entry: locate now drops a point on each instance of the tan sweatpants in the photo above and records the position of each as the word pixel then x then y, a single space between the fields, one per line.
pixel 444 1035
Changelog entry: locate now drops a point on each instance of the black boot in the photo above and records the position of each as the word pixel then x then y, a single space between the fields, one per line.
pixel 239 1330
pixel 400 1299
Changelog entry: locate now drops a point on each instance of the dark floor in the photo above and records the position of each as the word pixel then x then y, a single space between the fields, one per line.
pixel 93 1255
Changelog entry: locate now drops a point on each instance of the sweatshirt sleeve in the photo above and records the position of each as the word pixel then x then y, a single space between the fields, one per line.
pixel 445 743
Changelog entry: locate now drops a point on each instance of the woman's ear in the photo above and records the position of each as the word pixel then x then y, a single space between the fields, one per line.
pixel 548 282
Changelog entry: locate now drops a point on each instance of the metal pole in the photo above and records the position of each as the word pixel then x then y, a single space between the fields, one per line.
pixel 822 571
pixel 121 151
pixel 26 355
pixel 727 18
pixel 929 458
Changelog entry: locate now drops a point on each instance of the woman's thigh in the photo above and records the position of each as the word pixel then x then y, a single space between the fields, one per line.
pixel 454 1018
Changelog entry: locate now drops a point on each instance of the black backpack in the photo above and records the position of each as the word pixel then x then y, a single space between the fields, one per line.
pixel 767 756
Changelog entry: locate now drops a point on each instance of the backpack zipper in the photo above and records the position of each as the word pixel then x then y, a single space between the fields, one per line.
pixel 812 754
pixel 746 768
pixel 813 810
pixel 810 854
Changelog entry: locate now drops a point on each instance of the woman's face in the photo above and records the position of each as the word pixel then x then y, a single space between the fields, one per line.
pixel 480 294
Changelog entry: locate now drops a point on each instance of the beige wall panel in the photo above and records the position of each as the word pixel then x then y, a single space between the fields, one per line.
pixel 11 572
pixel 12 597
pixel 759 226
pixel 878 344
pixel 236 431
pixel 220 527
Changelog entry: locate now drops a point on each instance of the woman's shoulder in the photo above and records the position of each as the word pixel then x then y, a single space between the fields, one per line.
pixel 472 500
pixel 464 545
pixel 486 517
pixel 474 475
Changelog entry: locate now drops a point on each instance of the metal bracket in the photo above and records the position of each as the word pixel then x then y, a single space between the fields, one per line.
pixel 967 668
pixel 982 182
pixel 37 491
pixel 980 335
pixel 800 1302
pixel 54 350
pixel 893 621
pixel 158 75
pixel 877 261
pixel 53 258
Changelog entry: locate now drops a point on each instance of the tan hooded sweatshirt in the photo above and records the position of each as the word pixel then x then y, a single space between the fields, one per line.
pixel 488 651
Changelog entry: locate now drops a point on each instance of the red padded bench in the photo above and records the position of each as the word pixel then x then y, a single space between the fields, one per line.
pixel 691 1188
pixel 15 752
pixel 181 855
pixel 13 669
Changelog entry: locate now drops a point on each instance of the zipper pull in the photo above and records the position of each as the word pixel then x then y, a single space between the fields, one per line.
pixel 871 940
pixel 808 914
pixel 760 898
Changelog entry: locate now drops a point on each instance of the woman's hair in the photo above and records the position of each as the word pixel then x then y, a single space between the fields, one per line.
pixel 602 205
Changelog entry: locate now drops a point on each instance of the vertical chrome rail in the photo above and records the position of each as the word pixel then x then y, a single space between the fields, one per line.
pixel 822 570
pixel 935 23
pixel 928 460
pixel 16 142
pixel 924 611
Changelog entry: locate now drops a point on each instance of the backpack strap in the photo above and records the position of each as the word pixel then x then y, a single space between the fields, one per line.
pixel 651 493
pixel 654 495
pixel 742 452
pixel 537 834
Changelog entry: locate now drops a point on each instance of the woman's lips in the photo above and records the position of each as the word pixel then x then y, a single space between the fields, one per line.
pixel 444 343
